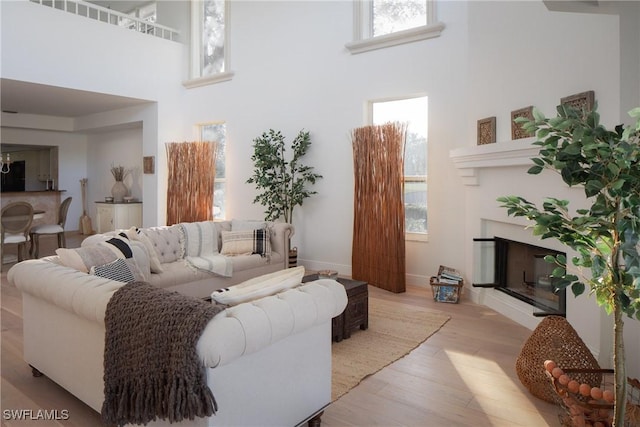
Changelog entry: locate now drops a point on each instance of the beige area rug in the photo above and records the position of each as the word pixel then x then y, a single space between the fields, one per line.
pixel 394 330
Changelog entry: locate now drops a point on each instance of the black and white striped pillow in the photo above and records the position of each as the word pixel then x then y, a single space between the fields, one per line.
pixel 117 270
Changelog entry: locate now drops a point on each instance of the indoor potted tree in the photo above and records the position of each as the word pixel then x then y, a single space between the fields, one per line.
pixel 281 179
pixel 605 236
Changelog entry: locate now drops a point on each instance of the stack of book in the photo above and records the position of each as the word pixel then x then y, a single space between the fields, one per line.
pixel 449 276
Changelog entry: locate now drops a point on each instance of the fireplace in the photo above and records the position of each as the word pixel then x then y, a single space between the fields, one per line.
pixel 519 269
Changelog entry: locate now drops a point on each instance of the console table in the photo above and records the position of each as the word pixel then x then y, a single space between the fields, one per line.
pixel 356 314
pixel 116 216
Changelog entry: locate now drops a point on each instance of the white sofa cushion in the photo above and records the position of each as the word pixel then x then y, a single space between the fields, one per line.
pixel 75 291
pixel 165 241
pixel 250 327
pixel 261 286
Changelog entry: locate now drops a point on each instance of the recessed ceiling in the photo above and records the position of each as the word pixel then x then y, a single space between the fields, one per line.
pixel 32 98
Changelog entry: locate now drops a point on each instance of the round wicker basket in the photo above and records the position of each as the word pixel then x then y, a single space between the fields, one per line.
pixel 554 338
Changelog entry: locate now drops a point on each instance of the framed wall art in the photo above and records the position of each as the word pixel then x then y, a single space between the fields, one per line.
pixel 148 164
pixel 516 128
pixel 487 131
pixel 580 101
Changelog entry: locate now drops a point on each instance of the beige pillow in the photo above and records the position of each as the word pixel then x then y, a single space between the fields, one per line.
pixel 259 287
pixel 82 259
pixel 154 262
pixel 246 242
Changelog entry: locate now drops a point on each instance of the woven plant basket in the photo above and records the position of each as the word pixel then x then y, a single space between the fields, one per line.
pixel 592 409
pixel 554 338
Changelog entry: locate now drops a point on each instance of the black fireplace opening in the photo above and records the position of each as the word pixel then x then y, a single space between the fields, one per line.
pixel 520 270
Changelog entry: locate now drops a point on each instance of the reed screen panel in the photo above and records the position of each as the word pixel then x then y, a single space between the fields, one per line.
pixel 378 253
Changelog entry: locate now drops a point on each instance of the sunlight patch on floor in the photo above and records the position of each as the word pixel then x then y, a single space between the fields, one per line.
pixel 476 380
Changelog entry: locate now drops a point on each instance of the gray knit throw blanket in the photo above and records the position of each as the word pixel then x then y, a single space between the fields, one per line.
pixel 151 366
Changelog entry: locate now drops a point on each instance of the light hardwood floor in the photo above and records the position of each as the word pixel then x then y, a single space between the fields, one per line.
pixel 464 375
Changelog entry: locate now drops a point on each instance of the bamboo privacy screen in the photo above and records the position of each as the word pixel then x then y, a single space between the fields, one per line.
pixel 192 171
pixel 378 255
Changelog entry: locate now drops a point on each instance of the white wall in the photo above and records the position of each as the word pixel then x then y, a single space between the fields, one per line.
pixel 118 148
pixel 292 72
pixel 537 67
pixel 134 131
pixel 62 49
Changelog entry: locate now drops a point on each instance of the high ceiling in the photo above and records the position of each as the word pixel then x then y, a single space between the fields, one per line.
pixel 31 98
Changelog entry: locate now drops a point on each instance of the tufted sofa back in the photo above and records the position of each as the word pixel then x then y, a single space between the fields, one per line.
pixel 166 242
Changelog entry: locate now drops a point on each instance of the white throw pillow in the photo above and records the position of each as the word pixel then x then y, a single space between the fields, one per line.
pixel 199 238
pixel 259 287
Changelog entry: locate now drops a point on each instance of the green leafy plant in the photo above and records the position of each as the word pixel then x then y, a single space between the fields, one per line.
pixel 605 236
pixel 282 182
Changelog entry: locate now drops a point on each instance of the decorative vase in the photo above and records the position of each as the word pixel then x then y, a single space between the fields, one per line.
pixel 118 191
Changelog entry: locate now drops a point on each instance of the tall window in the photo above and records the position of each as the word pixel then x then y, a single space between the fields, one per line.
pixel 217 132
pixel 385 23
pixel 413 111
pixel 213 37
pixel 390 16
pixel 209 42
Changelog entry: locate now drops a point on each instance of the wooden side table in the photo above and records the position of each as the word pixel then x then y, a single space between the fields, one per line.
pixel 356 314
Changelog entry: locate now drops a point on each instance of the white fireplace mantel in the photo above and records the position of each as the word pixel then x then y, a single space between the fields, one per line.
pixel 468 160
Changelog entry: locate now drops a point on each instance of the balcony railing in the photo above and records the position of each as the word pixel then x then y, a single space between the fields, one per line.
pixel 102 14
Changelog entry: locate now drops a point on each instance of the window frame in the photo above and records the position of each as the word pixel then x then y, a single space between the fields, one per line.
pixel 364 41
pixel 196 79
pixel 409 236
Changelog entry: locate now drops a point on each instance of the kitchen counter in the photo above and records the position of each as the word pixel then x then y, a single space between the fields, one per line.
pixel 45 200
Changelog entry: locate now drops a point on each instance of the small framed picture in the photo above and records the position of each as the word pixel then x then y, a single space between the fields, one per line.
pixel 487 131
pixel 580 101
pixel 148 164
pixel 516 128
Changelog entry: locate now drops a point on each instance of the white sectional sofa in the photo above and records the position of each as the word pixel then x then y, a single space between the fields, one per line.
pixel 268 361
pixel 174 274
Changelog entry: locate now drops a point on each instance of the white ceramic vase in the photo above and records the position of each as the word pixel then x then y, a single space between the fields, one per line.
pixel 118 191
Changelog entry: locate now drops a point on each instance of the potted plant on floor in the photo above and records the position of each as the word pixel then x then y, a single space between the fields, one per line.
pixel 281 179
pixel 606 236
